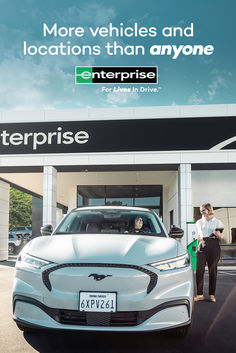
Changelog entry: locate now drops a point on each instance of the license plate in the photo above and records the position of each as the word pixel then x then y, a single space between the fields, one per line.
pixel 97 301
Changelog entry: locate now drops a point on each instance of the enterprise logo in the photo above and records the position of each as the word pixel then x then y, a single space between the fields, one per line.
pixel 116 74
pixel 39 138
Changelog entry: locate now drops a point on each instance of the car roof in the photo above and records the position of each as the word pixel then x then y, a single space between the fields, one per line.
pixel 128 208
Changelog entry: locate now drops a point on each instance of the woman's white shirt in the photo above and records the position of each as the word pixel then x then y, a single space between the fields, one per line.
pixel 206 227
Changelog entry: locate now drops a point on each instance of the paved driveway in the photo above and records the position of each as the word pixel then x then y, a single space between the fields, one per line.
pixel 213 328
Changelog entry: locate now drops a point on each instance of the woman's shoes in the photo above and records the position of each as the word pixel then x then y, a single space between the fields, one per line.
pixel 198 297
pixel 212 298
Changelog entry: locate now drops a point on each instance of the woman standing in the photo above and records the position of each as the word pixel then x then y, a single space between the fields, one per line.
pixel 210 231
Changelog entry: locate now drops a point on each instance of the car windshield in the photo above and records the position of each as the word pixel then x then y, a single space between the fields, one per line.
pixel 111 221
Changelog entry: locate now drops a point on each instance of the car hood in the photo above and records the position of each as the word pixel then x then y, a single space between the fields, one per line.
pixel 104 248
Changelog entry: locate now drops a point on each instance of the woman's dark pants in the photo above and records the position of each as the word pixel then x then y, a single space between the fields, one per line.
pixel 209 255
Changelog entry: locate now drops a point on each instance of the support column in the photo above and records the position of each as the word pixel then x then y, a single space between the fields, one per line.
pixel 4 219
pixel 49 195
pixel 37 216
pixel 185 199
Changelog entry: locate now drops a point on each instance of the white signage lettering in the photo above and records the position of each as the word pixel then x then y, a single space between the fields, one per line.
pixel 35 139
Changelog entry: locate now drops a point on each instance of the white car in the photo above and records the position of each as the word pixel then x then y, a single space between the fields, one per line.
pixel 98 271
pixel 22 230
pixel 14 242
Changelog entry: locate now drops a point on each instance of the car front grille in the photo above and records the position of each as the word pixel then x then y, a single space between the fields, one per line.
pixel 73 317
pixel 152 275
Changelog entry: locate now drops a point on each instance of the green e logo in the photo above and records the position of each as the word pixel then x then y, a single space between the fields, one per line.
pixel 84 74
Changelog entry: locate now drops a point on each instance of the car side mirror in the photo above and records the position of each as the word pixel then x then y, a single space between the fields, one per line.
pixel 46 230
pixel 176 232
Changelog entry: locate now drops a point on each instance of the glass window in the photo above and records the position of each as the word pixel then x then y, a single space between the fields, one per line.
pixel 119 195
pixel 149 196
pixel 112 221
pixel 91 196
pixel 143 201
pixel 119 201
pixel 96 202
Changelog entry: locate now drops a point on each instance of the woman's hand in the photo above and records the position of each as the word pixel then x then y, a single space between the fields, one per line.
pixel 200 244
pixel 218 234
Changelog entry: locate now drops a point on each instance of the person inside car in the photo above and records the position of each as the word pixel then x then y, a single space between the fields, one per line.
pixel 138 226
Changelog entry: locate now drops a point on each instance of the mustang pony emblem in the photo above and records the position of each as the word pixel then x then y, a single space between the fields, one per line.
pixel 98 277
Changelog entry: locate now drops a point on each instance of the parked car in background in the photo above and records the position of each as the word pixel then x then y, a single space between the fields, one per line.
pixel 21 230
pixel 14 243
pixel 105 269
pixel 26 232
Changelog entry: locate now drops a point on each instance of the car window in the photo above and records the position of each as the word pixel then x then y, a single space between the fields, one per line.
pixel 111 221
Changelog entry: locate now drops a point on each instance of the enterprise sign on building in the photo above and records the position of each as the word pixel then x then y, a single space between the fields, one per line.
pixel 168 134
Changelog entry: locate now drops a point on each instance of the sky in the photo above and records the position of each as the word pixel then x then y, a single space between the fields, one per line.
pixel 29 82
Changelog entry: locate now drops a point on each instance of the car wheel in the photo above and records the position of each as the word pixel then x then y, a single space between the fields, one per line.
pixel 11 248
pixel 180 331
pixel 26 329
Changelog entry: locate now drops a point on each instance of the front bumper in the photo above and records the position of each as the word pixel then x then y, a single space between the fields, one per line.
pixel 53 304
pixel 30 312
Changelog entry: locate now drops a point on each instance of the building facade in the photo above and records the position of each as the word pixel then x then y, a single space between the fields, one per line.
pixel 170 159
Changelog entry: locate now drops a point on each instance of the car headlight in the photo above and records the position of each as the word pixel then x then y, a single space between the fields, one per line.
pixel 31 261
pixel 172 264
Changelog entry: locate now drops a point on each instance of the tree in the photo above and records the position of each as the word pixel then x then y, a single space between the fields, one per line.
pixel 20 208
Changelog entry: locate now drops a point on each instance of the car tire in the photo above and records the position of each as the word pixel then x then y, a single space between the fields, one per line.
pixel 180 331
pixel 26 329
pixel 11 248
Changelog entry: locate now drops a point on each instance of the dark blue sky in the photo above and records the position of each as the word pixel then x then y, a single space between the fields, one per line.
pixel 47 82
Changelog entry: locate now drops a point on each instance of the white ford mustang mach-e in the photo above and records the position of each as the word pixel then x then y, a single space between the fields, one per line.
pixel 99 271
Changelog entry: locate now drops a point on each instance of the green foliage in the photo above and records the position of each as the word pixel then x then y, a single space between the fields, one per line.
pixel 20 209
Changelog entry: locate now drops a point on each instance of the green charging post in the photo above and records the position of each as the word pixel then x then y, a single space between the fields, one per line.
pixel 192 243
